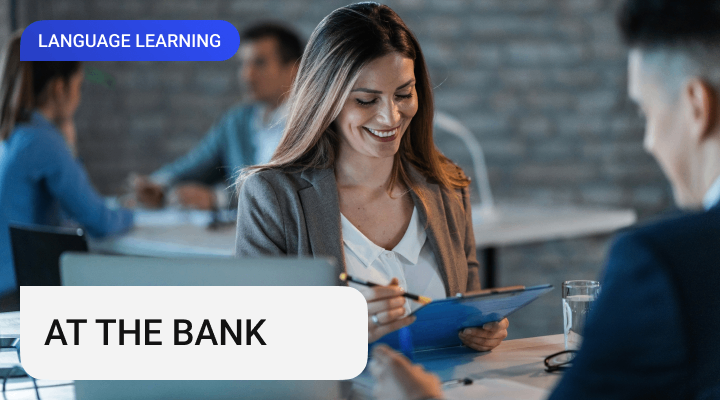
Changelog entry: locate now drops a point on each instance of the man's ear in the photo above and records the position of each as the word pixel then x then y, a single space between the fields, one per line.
pixel 703 102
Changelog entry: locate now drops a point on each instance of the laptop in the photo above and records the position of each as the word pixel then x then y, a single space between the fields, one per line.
pixel 102 270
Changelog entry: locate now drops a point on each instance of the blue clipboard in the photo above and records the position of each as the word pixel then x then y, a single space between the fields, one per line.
pixel 439 322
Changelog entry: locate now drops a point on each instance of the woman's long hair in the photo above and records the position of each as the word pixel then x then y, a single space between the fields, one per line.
pixel 342 44
pixel 24 83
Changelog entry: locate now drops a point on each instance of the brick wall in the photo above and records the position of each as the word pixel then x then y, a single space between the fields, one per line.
pixel 541 83
pixel 5 26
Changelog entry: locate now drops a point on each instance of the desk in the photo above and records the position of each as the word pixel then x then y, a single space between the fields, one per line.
pixel 184 233
pixel 171 233
pixel 519 361
pixel 508 225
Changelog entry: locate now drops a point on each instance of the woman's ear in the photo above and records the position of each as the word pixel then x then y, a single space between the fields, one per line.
pixel 703 102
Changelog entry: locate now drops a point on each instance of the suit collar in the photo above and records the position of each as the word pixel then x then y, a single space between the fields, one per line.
pixel 435 224
pixel 321 209
pixel 316 175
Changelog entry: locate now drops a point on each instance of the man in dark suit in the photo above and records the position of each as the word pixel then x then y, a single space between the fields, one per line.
pixel 655 330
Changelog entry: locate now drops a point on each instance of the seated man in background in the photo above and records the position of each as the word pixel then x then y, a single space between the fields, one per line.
pixel 654 332
pixel 245 135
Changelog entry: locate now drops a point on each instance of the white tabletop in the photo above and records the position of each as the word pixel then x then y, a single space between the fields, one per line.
pixel 170 233
pixel 178 233
pixel 507 225
pixel 514 370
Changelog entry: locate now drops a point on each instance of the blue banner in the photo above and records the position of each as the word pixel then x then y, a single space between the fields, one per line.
pixel 136 40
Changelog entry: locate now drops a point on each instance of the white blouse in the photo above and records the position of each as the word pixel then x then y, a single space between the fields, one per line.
pixel 411 261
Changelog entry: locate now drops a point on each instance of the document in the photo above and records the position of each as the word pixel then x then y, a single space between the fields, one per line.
pixel 437 324
pixel 495 389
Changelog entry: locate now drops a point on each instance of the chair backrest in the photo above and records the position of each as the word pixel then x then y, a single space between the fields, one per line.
pixel 37 249
pixel 464 150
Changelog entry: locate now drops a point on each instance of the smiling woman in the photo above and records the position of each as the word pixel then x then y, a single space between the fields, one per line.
pixel 357 175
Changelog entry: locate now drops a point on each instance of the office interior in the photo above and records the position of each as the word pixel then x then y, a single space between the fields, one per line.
pixel 540 84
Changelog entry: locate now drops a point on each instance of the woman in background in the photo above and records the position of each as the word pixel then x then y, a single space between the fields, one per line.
pixel 357 175
pixel 39 173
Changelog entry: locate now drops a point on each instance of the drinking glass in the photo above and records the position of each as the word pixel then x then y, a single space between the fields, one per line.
pixel 577 300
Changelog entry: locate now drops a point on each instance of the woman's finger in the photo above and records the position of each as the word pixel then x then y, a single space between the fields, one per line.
pixel 480 344
pixel 376 293
pixel 384 305
pixel 497 326
pixel 386 317
pixel 485 334
pixel 475 346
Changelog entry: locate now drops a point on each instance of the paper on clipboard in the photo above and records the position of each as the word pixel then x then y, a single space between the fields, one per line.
pixel 437 324
pixel 496 389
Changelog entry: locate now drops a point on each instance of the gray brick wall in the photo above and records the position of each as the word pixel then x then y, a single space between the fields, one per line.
pixel 5 25
pixel 541 83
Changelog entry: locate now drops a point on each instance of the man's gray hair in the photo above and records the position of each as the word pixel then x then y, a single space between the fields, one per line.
pixel 672 66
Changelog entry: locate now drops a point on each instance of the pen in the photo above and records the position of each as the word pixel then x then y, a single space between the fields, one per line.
pixel 454 382
pixel 347 278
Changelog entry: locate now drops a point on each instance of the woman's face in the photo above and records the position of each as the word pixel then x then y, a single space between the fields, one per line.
pixel 379 108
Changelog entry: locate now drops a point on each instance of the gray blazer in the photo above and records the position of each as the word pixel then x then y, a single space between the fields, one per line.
pixel 298 213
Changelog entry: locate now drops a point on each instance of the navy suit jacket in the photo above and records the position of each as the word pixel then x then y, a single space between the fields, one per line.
pixel 654 332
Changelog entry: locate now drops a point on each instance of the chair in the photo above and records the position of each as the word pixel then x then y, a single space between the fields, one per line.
pixel 444 123
pixel 470 152
pixel 37 249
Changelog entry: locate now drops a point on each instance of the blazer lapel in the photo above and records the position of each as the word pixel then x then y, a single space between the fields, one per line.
pixel 436 224
pixel 321 208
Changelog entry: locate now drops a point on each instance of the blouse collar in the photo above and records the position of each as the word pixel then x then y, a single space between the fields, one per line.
pixel 409 246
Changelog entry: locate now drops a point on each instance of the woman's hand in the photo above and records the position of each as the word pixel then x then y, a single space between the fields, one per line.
pixel 195 196
pixel 487 337
pixel 398 378
pixel 386 307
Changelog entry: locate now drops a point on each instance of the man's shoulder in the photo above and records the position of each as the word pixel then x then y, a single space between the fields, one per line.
pixel 690 227
pixel 685 243
pixel 239 111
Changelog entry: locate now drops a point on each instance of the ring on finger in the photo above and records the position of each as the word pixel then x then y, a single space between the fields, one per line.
pixel 375 320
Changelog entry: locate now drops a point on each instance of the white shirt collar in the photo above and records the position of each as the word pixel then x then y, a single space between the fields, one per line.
pixel 712 196
pixel 367 252
pixel 412 242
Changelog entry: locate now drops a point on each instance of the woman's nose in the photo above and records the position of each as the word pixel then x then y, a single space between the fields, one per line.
pixel 390 115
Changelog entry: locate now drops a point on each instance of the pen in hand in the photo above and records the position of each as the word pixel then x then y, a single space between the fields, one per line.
pixel 457 382
pixel 347 278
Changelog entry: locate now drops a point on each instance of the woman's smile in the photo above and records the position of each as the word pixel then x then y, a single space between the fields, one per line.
pixel 383 135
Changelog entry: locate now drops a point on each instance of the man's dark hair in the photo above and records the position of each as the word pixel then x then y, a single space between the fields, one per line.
pixel 290 46
pixel 670 23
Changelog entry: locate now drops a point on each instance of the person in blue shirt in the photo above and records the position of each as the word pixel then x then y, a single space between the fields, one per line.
pixel 654 332
pixel 245 135
pixel 41 180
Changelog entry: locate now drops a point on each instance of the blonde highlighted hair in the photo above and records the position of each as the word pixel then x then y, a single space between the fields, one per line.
pixel 340 47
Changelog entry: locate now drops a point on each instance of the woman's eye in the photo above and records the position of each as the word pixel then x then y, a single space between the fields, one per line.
pixel 366 103
pixel 405 96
